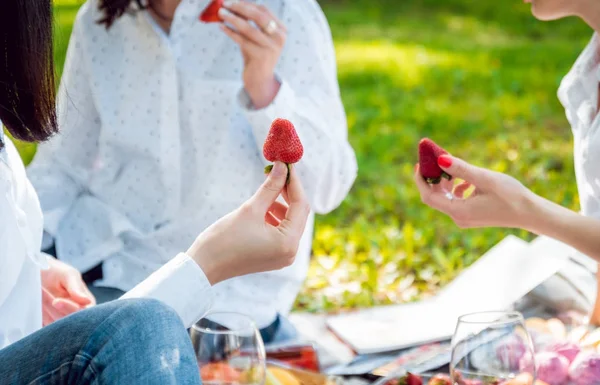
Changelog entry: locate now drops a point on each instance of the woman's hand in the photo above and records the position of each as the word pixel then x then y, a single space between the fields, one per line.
pixel 63 291
pixel 497 200
pixel 261 45
pixel 262 235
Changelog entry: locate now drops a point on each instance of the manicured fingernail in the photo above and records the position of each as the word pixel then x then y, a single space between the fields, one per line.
pixel 223 12
pixel 444 161
pixel 279 169
pixel 229 3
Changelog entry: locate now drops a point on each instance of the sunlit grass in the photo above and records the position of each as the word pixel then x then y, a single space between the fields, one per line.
pixel 478 77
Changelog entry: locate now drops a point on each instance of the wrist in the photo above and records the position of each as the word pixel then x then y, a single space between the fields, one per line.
pixel 200 254
pixel 262 92
pixel 533 212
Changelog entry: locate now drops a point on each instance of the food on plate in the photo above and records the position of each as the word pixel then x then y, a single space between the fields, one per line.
pixel 511 352
pixel 567 349
pixel 429 152
pixel 440 379
pixel 552 368
pixel 591 340
pixel 557 328
pixel 219 371
pixel 286 375
pixel 577 334
pixel 521 379
pixel 279 376
pixel 410 379
pixel 211 12
pixel 573 318
pixel 585 370
pixel 282 144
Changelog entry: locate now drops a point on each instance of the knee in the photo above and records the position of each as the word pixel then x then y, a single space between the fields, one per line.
pixel 149 316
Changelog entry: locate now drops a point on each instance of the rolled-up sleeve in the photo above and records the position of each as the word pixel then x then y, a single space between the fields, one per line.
pixel 310 98
pixel 181 284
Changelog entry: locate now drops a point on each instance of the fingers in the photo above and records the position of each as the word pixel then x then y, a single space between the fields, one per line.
pixel 299 208
pixel 458 168
pixel 272 220
pixel 243 28
pixel 270 189
pixel 77 289
pixel 57 308
pixel 431 196
pixel 278 210
pixel 261 16
pixel 461 189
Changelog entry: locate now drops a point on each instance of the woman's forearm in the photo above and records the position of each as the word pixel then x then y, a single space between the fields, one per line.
pixel 580 232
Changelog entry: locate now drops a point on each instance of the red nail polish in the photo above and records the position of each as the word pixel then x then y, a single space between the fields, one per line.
pixel 445 161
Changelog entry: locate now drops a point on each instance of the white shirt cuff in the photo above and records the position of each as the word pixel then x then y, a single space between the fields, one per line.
pixel 181 284
pixel 283 106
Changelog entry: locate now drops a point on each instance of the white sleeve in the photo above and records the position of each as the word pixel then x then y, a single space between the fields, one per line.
pixel 310 98
pixel 181 284
pixel 62 167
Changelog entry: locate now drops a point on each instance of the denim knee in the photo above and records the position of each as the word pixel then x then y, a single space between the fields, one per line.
pixel 148 315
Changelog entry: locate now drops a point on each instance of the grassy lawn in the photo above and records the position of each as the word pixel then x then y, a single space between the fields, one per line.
pixel 479 78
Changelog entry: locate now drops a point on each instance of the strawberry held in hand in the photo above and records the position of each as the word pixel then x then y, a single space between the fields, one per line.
pixel 211 13
pixel 282 144
pixel 429 152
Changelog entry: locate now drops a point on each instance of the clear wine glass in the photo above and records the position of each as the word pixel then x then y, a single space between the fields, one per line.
pixel 491 347
pixel 229 350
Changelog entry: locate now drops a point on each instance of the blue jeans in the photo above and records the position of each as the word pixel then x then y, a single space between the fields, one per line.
pixel 130 342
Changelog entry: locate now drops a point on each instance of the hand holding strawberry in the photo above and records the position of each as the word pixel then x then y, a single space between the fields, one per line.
pixel 497 200
pixel 282 144
pixel 429 153
pixel 261 37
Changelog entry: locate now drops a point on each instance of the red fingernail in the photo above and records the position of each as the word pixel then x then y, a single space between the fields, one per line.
pixel 444 161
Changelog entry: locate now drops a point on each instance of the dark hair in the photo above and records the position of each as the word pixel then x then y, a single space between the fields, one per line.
pixel 27 79
pixel 113 9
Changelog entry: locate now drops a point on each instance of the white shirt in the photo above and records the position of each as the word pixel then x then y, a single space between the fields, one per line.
pixel 579 95
pixel 158 142
pixel 180 283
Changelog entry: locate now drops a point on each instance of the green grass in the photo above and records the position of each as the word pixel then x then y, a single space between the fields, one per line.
pixel 479 78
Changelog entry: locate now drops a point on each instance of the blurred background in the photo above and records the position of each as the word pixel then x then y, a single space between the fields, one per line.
pixel 478 77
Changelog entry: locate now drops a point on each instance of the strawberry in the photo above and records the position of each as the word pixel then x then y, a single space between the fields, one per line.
pixel 211 12
pixel 440 379
pixel 282 144
pixel 411 379
pixel 429 152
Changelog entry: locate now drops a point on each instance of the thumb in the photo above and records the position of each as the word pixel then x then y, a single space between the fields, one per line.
pixel 458 168
pixel 271 188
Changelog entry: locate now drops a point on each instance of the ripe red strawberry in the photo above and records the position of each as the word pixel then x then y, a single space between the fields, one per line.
pixel 440 379
pixel 282 144
pixel 429 152
pixel 411 379
pixel 211 12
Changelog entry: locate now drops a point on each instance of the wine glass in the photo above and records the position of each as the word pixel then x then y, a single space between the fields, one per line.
pixel 229 350
pixel 491 347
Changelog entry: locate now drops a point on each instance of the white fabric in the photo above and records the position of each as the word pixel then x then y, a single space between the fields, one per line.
pixel 20 256
pixel 180 284
pixel 575 286
pixel 579 95
pixel 158 142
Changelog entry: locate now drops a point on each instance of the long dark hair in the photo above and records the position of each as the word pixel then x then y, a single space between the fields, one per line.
pixel 113 9
pixel 27 79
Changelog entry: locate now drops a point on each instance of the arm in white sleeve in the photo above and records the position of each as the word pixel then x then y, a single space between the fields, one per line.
pixel 181 284
pixel 310 98
pixel 62 166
